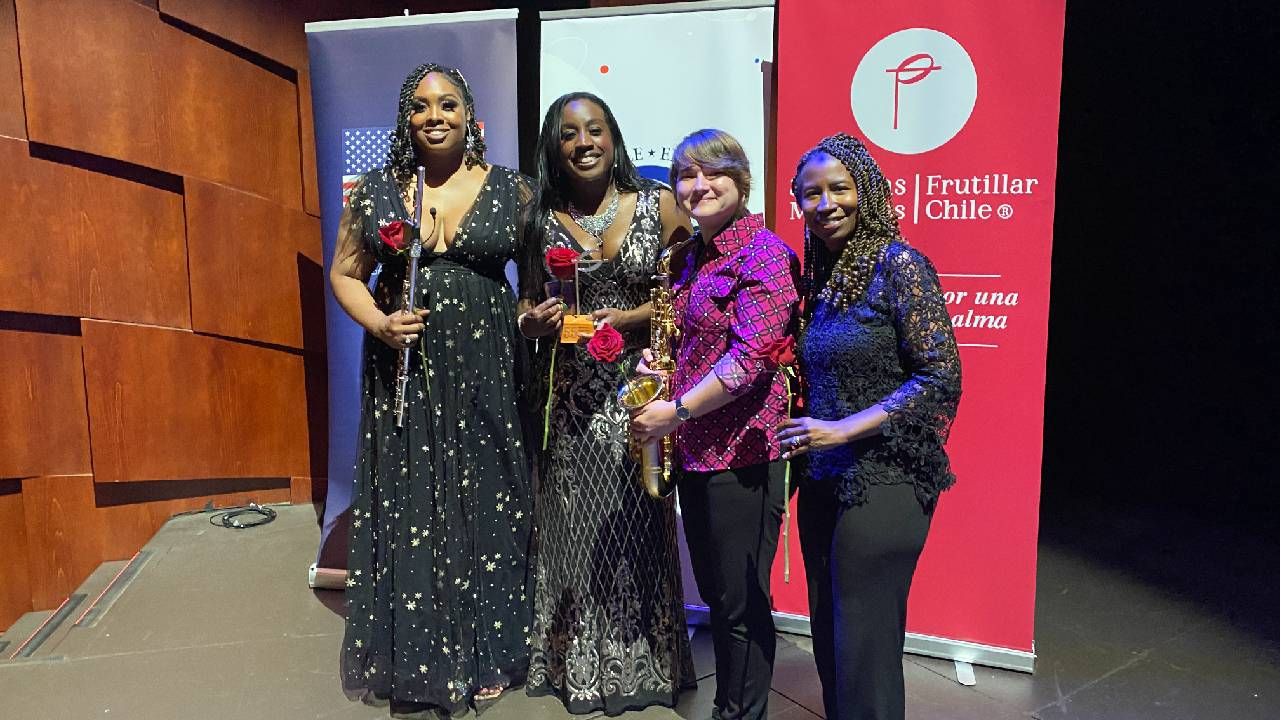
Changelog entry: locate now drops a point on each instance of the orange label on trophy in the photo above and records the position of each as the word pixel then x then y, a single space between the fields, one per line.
pixel 576 328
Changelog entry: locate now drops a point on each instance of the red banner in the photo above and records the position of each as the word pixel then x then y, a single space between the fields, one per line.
pixel 959 103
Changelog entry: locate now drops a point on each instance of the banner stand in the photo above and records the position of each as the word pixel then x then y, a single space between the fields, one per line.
pixel 962 651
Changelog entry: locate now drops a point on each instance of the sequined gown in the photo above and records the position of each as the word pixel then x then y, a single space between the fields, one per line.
pixel 609 615
pixel 439 584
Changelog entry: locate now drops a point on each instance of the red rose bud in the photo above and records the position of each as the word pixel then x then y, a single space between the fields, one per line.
pixel 561 262
pixel 781 352
pixel 394 235
pixel 606 343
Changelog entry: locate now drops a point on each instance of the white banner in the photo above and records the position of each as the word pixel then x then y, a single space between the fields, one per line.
pixel 666 74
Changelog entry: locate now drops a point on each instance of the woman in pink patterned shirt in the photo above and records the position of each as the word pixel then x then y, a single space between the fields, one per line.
pixel 734 295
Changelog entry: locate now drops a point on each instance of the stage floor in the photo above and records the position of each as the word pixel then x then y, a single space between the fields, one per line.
pixel 220 624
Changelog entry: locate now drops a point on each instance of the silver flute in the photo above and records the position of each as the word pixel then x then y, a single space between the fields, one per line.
pixel 411 291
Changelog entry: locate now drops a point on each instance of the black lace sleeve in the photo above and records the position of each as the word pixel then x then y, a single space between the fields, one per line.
pixel 927 401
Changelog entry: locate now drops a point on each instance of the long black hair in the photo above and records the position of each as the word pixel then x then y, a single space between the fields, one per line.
pixel 401 155
pixel 552 186
pixel 552 191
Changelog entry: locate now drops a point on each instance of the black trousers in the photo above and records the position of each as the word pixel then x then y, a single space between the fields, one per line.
pixel 859 562
pixel 732 519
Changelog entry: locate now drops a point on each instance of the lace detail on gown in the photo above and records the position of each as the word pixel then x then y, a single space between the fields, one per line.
pixel 609 614
pixel 894 347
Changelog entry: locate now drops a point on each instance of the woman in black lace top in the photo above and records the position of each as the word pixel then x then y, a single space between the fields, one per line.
pixel 882 382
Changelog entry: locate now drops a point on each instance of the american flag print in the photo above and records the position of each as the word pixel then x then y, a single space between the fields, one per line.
pixel 363 149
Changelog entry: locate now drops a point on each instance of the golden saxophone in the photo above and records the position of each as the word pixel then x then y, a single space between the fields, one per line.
pixel 655 456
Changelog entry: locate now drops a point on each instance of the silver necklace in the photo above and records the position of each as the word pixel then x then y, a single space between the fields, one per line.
pixel 596 225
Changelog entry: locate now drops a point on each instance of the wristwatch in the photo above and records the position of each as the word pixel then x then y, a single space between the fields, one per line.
pixel 682 412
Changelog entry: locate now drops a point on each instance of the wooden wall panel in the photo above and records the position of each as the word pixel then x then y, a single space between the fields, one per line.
pixel 13 118
pixel 15 575
pixel 45 430
pixel 273 29
pixel 90 74
pixel 304 490
pixel 307 138
pixel 167 404
pixel 162 98
pixel 230 121
pixel 62 532
pixel 64 535
pixel 244 264
pixel 125 102
pixel 86 244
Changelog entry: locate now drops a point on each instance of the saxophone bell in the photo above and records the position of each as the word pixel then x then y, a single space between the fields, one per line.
pixel 653 456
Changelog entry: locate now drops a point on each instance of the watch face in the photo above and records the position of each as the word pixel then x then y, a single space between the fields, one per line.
pixel 682 412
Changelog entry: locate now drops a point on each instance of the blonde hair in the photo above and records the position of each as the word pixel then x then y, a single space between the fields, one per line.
pixel 717 150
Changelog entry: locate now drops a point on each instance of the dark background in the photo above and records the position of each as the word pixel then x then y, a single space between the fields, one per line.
pixel 1161 401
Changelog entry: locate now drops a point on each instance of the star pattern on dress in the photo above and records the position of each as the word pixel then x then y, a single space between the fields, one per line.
pixel 423 508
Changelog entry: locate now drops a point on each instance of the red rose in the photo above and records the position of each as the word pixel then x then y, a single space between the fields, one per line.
pixel 561 262
pixel 394 235
pixel 606 343
pixel 781 352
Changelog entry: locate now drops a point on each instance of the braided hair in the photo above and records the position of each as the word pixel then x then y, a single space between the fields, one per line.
pixel 842 279
pixel 401 156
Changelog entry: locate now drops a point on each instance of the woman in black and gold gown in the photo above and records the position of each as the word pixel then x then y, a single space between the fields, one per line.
pixel 609 615
pixel 439 584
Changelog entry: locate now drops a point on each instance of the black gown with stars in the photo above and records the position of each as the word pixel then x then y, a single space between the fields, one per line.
pixel 439 583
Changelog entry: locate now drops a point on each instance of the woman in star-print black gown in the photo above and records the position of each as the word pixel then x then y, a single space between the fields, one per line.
pixel 439 585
